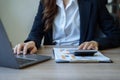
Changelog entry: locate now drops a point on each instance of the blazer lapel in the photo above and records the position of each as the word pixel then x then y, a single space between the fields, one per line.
pixel 84 8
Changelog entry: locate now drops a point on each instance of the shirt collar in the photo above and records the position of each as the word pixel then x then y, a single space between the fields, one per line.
pixel 60 2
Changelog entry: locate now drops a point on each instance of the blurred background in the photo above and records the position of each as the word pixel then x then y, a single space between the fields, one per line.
pixel 114 9
pixel 18 15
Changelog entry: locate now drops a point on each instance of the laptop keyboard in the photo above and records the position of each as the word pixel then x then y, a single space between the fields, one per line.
pixel 30 58
pixel 24 61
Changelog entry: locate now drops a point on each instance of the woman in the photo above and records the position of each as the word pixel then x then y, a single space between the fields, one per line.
pixel 71 22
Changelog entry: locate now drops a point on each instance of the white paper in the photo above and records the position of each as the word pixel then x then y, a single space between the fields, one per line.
pixel 63 55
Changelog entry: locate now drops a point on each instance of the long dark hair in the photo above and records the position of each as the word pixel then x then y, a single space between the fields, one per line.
pixel 49 13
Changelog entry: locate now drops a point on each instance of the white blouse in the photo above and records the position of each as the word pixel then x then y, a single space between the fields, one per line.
pixel 66 27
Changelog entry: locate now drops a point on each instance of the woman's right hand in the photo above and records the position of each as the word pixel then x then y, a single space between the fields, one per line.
pixel 24 47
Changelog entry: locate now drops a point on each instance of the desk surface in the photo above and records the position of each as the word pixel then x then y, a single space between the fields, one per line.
pixel 50 70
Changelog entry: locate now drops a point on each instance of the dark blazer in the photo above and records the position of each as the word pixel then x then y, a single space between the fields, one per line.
pixel 93 13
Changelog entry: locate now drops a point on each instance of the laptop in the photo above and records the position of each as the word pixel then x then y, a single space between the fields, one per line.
pixel 10 60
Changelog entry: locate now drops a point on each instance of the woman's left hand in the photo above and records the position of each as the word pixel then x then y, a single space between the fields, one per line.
pixel 89 45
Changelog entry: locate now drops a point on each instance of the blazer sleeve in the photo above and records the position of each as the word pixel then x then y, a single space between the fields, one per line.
pixel 36 33
pixel 108 27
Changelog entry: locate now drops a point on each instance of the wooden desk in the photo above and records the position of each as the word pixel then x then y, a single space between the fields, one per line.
pixel 67 71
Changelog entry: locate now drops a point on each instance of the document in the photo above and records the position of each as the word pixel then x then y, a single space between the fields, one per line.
pixel 64 55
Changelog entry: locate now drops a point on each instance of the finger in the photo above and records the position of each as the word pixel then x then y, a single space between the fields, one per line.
pixel 90 47
pixel 34 50
pixel 19 48
pixel 86 45
pixel 96 48
pixel 25 49
pixel 81 46
pixel 95 45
